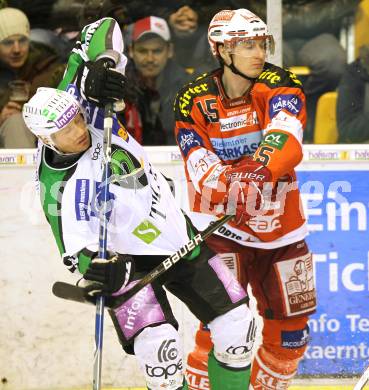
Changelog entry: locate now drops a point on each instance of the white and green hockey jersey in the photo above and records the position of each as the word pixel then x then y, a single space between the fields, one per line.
pixel 144 218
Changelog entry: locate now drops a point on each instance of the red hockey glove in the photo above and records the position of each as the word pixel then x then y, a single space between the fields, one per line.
pixel 245 181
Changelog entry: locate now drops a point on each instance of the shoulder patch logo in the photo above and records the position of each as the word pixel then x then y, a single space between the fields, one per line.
pixel 188 139
pixel 290 102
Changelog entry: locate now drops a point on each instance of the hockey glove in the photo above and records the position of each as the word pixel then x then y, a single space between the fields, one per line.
pixel 111 275
pixel 245 181
pixel 99 84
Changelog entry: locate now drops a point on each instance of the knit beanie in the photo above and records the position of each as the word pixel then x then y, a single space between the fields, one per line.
pixel 13 21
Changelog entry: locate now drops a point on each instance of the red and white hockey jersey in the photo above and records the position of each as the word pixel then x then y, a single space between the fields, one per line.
pixel 266 124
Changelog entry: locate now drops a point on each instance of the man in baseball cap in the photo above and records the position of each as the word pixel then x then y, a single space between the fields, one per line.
pixel 151 25
pixel 157 79
pixel 151 47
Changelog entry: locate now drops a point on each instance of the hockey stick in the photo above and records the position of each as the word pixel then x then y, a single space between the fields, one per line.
pixel 363 380
pixel 79 294
pixel 103 232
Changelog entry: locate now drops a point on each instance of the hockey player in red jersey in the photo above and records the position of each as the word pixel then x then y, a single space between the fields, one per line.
pixel 240 130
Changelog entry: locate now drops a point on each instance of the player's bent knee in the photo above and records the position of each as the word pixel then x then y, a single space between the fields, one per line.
pixel 159 353
pixel 233 335
pixel 285 341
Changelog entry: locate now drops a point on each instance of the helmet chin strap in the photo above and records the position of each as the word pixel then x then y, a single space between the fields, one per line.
pixel 232 67
pixel 53 147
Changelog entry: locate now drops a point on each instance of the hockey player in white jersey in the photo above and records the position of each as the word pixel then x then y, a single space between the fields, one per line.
pixel 144 222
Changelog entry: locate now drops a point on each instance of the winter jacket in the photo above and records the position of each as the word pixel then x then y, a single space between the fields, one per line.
pixel 353 104
pixel 42 68
pixel 149 113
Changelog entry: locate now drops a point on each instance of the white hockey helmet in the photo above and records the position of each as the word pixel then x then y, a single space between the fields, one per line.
pixel 231 27
pixel 48 111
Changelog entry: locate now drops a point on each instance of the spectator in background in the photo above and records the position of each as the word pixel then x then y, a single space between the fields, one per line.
pixel 188 20
pixel 54 22
pixel 353 101
pixel 61 29
pixel 153 80
pixel 189 23
pixel 311 38
pixel 124 12
pixel 20 60
pixel 39 12
pixel 93 10
pixel 191 48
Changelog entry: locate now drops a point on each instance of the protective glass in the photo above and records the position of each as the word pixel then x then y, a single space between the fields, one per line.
pixel 251 47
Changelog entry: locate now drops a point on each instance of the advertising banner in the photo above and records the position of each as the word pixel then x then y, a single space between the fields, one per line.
pixel 336 203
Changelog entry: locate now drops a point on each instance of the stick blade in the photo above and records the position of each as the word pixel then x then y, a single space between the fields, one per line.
pixel 70 292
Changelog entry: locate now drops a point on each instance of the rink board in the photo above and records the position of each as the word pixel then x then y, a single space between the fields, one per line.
pixel 48 343
pixel 319 387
